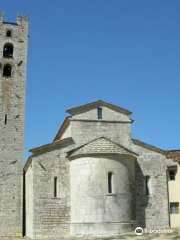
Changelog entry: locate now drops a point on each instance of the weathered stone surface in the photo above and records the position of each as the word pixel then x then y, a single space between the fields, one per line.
pixel 81 162
pixel 51 215
pixel 152 209
pixel 92 206
pixel 12 102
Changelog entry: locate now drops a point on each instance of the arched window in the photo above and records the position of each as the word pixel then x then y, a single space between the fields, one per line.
pixel 8 50
pixel 7 70
pixel 8 33
pixel 110 187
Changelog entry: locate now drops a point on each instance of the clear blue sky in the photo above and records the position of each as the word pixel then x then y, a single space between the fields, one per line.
pixel 123 51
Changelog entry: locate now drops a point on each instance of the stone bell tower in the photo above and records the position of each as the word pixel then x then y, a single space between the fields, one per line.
pixel 13 58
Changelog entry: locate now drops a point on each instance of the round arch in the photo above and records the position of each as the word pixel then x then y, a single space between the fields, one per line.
pixel 7 70
pixel 8 50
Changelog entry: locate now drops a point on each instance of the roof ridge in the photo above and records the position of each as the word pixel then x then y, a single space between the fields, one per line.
pixel 126 111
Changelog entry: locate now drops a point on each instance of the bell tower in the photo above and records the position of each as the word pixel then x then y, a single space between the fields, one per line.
pixel 13 58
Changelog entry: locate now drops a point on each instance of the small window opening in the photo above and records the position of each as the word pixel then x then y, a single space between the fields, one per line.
pixel 55 186
pixel 99 113
pixel 7 71
pixel 8 50
pixel 174 208
pixel 172 175
pixel 8 33
pixel 110 182
pixel 5 120
pixel 147 185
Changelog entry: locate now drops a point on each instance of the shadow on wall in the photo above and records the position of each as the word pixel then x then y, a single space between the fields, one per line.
pixel 142 195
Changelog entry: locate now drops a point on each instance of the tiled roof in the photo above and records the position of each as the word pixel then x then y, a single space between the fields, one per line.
pixel 100 146
pixel 174 154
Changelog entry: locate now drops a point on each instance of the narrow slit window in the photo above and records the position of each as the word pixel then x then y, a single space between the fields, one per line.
pixel 55 187
pixel 146 185
pixel 5 120
pixel 99 113
pixel 110 182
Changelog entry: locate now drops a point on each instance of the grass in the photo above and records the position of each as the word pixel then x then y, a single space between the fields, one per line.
pixel 176 237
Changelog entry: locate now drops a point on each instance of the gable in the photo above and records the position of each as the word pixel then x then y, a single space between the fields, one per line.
pixel 109 112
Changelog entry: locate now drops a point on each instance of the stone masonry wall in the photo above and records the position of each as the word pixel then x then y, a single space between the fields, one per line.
pixel 12 103
pixel 51 215
pixel 152 209
pixel 108 114
pixel 29 201
pixel 85 131
pixel 92 207
pixel 85 125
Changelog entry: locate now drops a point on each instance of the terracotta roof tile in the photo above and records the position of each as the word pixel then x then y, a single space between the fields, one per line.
pixel 175 154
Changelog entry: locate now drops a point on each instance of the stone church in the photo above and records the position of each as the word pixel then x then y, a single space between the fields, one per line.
pixel 92 179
